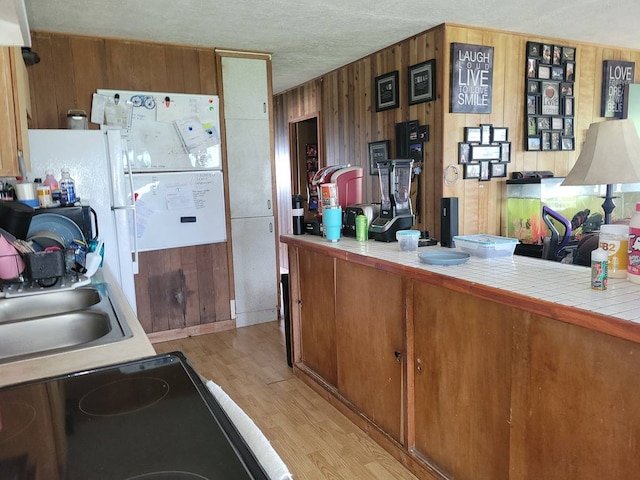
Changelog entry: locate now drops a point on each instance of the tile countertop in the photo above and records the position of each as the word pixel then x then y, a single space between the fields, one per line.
pixel 135 347
pixel 542 280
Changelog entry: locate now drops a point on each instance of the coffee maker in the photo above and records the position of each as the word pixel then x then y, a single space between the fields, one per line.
pixel 395 201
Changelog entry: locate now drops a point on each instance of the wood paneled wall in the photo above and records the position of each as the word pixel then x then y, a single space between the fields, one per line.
pixel 184 287
pixel 350 120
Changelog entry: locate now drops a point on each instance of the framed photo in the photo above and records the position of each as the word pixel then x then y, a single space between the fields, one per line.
pixel 544 123
pixel 498 170
pixel 532 125
pixel 464 151
pixel 568 54
pixel 472 134
pixel 546 53
pixel 485 152
pixel 616 75
pixel 566 89
pixel 550 98
pixel 422 82
pixel 386 88
pixel 532 104
pixel 533 143
pixel 533 87
pixel 499 134
pixel 569 71
pixel 533 49
pixel 555 140
pixel 567 143
pixel 532 68
pixel 545 143
pixel 567 108
pixel 378 152
pixel 471 170
pixel 567 130
pixel 485 134
pixel 557 73
pixel 505 152
pixel 544 72
pixel 557 123
pixel 485 171
pixel 557 55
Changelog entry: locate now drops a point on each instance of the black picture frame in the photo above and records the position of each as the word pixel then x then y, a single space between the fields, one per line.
pixel 472 134
pixel 471 71
pixel 568 143
pixel 505 152
pixel 471 170
pixel 464 153
pixel 485 171
pixel 485 152
pixel 386 91
pixel 616 74
pixel 422 82
pixel 567 107
pixel 498 170
pixel 550 98
pixel 499 134
pixel 533 143
pixel 378 152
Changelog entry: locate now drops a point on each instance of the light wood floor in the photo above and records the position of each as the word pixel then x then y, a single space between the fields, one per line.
pixel 314 439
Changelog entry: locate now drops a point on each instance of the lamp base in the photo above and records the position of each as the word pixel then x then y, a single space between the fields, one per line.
pixel 608 205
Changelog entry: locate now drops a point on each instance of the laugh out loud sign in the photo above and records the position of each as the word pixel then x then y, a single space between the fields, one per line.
pixel 471 78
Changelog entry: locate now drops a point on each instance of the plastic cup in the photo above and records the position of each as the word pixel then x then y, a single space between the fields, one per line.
pixel 332 222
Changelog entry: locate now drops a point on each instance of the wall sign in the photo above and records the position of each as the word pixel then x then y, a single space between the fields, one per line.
pixel 549 101
pixel 471 78
pixel 615 75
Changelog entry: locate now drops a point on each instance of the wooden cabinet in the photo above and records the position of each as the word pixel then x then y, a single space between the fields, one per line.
pixel 14 111
pixel 317 313
pixel 370 312
pixel 576 403
pixel 462 362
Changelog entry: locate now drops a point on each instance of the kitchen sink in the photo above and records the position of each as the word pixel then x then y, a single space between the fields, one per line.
pixel 36 325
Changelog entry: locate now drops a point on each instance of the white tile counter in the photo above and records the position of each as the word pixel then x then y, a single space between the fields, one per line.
pixel 538 280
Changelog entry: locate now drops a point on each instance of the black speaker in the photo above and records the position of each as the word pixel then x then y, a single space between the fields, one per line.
pixel 448 220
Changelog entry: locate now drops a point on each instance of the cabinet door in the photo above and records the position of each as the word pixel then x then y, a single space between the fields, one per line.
pixel 255 271
pixel 370 342
pixel 463 352
pixel 317 313
pixel 245 88
pixel 249 168
pixel 576 403
pixel 9 145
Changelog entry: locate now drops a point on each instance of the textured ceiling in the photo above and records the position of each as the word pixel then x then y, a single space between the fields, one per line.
pixel 310 38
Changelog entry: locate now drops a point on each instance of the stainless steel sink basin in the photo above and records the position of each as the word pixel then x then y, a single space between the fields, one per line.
pixel 30 306
pixel 36 325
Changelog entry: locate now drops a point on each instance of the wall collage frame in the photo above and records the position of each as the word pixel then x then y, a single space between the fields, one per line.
pixel 549 97
pixel 485 152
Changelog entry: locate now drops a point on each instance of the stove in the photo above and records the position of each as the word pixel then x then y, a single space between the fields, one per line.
pixel 148 419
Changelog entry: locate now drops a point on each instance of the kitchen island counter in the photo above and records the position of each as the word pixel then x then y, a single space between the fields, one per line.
pixel 558 290
pixel 507 368
pixel 48 365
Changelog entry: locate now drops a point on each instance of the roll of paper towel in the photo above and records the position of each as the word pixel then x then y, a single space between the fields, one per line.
pixel 26 193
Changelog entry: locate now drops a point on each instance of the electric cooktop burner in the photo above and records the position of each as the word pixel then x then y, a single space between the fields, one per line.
pixel 145 420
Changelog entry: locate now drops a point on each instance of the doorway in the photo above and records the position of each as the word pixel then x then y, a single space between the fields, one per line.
pixel 305 161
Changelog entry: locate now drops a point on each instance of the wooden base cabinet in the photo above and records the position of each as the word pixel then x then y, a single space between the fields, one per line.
pixel 462 372
pixel 370 312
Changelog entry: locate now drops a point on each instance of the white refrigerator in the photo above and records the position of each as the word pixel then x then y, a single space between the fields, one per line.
pixel 135 211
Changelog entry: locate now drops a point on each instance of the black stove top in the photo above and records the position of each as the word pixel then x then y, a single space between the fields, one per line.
pixel 149 419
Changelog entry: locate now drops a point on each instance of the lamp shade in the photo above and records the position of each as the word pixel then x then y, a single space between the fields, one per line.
pixel 610 154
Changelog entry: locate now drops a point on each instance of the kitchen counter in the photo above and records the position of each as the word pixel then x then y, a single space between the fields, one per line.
pixel 135 347
pixel 507 368
pixel 558 290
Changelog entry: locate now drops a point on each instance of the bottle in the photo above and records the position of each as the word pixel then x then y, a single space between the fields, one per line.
pixel 614 239
pixel 67 188
pixel 633 262
pixel 52 183
pixel 298 214
pixel 599 259
pixel 362 228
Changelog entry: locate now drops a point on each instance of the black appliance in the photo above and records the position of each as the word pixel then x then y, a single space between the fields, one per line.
pixel 448 221
pixel 151 418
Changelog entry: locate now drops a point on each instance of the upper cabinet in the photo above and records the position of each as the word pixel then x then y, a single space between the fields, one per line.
pixel 15 110
pixel 246 92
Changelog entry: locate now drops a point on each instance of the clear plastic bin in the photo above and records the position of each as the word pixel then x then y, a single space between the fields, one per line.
pixel 486 246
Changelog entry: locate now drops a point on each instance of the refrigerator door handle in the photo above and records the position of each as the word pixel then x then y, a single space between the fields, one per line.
pixel 132 207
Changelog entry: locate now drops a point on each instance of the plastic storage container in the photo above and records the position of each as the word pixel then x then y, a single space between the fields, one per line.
pixel 614 239
pixel 408 240
pixel 486 246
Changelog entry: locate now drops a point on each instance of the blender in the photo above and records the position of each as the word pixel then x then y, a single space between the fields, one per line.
pixel 395 202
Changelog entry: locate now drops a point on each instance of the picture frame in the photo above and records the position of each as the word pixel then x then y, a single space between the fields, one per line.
pixel 557 123
pixel 485 171
pixel 533 143
pixel 544 123
pixel 485 133
pixel 472 134
pixel 464 153
pixel 533 87
pixel 567 129
pixel 546 53
pixel 532 104
pixel 567 108
pixel 545 143
pixel 421 80
pixel 498 170
pixel 533 49
pixel 569 71
pixel 566 88
pixel 499 134
pixel 557 73
pixel 378 152
pixel 555 140
pixel 567 143
pixel 544 72
pixel 505 152
pixel 550 98
pixel 471 170
pixel 386 91
pixel 532 125
pixel 568 53
pixel 485 152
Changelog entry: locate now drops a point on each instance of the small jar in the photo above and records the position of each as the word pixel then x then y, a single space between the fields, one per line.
pixel 614 239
